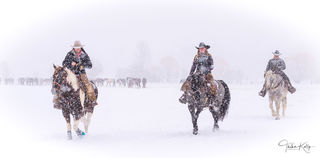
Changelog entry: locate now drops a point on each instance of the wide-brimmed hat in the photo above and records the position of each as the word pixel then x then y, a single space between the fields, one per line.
pixel 277 53
pixel 77 44
pixel 202 45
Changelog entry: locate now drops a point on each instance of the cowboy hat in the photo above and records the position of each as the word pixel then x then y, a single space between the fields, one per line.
pixel 202 45
pixel 277 53
pixel 77 44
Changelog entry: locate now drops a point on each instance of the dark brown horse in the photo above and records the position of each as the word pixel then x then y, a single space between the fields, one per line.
pixel 72 100
pixel 198 99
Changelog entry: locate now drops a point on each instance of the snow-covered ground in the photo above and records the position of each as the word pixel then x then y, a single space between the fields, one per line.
pixel 152 123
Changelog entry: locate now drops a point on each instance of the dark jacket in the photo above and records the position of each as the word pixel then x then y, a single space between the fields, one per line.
pixel 202 63
pixel 276 65
pixel 82 62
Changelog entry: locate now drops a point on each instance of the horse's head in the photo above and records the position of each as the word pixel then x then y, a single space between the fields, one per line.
pixel 59 77
pixel 195 85
pixel 272 79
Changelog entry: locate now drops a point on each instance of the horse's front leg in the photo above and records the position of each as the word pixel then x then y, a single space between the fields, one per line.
pixel 284 106
pixel 88 121
pixel 273 113
pixel 66 116
pixel 193 119
pixel 77 120
pixel 199 109
pixel 277 110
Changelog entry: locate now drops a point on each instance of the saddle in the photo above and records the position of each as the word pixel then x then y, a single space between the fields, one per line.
pixel 203 83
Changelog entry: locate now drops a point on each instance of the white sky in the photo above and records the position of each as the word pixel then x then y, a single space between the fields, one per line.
pixel 35 34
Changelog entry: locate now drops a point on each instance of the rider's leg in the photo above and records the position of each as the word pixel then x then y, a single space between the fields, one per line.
pixel 286 79
pixel 184 87
pixel 89 88
pixel 212 88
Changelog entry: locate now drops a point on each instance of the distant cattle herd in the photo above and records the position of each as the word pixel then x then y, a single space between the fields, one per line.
pixel 129 82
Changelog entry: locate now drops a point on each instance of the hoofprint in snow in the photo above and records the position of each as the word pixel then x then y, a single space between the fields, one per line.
pixel 152 123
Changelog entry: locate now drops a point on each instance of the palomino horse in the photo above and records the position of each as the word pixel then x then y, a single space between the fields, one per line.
pixel 72 100
pixel 198 99
pixel 277 91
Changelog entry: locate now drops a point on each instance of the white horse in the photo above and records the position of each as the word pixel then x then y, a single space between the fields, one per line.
pixel 277 91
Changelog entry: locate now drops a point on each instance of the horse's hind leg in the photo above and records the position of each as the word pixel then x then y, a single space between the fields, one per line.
pixel 66 116
pixel 215 116
pixel 284 106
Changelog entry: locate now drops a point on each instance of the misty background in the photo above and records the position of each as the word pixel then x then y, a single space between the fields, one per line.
pixel 157 39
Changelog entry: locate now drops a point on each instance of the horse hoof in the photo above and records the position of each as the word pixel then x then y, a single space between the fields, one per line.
pixel 80 133
pixel 215 128
pixel 69 137
pixel 277 118
pixel 195 132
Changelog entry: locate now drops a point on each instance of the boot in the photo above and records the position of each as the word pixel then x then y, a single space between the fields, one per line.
pixel 263 92
pixel 183 98
pixel 291 89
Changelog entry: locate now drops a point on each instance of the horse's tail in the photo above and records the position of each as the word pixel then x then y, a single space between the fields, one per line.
pixel 223 110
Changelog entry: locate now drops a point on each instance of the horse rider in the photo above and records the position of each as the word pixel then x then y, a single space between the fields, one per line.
pixel 77 60
pixel 277 65
pixel 202 66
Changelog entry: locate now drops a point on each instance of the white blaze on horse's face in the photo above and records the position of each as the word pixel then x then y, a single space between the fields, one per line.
pixel 72 79
pixel 270 78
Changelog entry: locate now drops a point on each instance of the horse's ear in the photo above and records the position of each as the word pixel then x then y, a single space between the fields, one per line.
pixel 54 66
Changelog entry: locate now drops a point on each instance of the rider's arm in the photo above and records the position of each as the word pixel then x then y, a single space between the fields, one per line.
pixel 210 63
pixel 87 62
pixel 282 65
pixel 67 61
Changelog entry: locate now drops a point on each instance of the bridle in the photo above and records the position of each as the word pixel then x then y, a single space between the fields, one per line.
pixel 55 83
